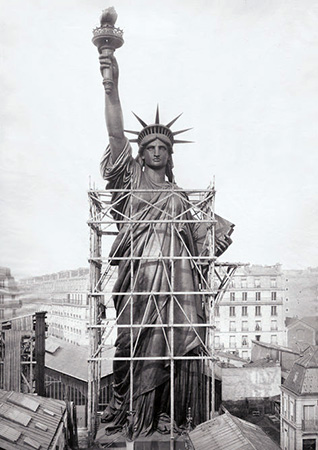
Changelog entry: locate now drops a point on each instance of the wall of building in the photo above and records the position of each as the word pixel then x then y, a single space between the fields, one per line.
pixel 301 292
pixel 10 303
pixel 299 335
pixel 251 309
pixel 293 429
pixel 250 382
pixel 64 295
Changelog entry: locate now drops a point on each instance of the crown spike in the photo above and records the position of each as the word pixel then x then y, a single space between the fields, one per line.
pixel 157 120
pixel 132 132
pixel 140 120
pixel 177 141
pixel 173 121
pixel 181 131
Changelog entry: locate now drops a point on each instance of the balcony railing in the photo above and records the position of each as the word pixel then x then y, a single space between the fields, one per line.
pixel 310 425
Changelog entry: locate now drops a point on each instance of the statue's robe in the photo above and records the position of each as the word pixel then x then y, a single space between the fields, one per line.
pixel 151 379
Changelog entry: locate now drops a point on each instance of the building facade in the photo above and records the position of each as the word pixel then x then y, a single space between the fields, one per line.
pixel 251 309
pixel 10 303
pixel 301 292
pixel 64 295
pixel 299 404
pixel 301 333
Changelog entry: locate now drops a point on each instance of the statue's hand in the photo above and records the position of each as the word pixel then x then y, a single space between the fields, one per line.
pixel 108 61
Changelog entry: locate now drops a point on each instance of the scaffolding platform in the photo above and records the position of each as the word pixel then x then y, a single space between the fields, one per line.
pixel 106 217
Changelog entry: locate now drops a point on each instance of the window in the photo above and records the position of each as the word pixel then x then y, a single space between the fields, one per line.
pixel 258 337
pixel 244 341
pixel 273 310
pixel 273 338
pixel 244 296
pixel 232 283
pixel 217 341
pixel 217 311
pixel 258 296
pixel 1 313
pixel 244 354
pixel 243 282
pixel 232 296
pixel 258 325
pixel 257 310
pixel 232 326
pixel 273 282
pixel 273 325
pixel 1 299
pixel 1 283
pixel 232 311
pixel 244 310
pixel 232 342
pixel 292 410
pixel 274 296
pixel 245 325
pixel 257 282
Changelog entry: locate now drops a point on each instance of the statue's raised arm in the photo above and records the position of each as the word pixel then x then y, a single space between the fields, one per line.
pixel 113 111
pixel 107 39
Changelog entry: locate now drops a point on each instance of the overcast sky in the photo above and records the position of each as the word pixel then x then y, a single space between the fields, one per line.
pixel 244 74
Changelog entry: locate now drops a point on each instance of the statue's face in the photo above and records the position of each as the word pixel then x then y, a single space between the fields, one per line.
pixel 156 155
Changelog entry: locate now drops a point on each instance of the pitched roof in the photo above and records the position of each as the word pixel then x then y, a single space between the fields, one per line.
pixel 71 359
pixel 229 432
pixel 303 377
pixel 28 421
pixel 311 321
pixel 274 347
pixel 264 362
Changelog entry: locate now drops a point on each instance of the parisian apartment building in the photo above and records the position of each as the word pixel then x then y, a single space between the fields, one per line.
pixel 251 309
pixel 65 297
pixel 10 303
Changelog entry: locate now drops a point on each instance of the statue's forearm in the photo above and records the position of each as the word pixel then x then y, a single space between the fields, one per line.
pixel 114 123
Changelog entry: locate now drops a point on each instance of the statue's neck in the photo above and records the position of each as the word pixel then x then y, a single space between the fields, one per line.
pixel 157 176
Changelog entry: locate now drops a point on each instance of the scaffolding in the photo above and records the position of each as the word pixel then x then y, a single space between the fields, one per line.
pixel 213 276
pixel 22 353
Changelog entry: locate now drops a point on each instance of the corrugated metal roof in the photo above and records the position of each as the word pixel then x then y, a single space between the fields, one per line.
pixel 227 432
pixel 71 359
pixel 24 412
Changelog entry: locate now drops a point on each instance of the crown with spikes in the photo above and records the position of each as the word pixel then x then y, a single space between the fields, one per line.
pixel 149 132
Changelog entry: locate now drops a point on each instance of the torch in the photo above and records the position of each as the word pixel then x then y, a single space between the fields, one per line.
pixel 107 38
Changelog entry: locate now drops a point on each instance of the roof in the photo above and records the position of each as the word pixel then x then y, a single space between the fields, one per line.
pixel 311 321
pixel 303 377
pixel 230 356
pixel 28 421
pixel 264 362
pixel 275 347
pixel 229 432
pixel 71 359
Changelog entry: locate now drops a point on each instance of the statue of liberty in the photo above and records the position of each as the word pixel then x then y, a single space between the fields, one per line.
pixel 155 243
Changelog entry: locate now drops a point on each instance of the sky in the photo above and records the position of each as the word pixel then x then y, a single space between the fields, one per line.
pixel 242 72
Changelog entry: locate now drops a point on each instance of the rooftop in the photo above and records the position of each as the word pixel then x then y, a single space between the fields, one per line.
pixel 303 377
pixel 274 347
pixel 311 321
pixel 28 421
pixel 229 432
pixel 71 359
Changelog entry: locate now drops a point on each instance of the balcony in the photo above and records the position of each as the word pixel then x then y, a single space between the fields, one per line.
pixel 309 425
